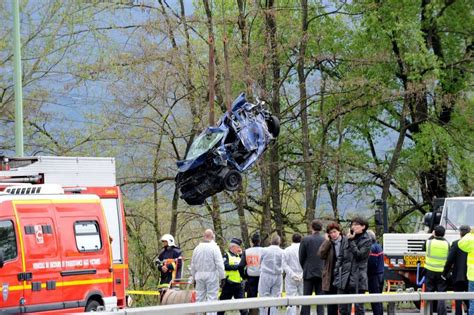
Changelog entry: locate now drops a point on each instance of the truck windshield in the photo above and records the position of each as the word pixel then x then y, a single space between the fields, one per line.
pixel 458 212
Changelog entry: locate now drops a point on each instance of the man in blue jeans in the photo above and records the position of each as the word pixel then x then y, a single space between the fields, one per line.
pixel 467 244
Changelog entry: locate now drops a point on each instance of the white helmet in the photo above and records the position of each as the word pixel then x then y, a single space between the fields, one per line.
pixel 169 238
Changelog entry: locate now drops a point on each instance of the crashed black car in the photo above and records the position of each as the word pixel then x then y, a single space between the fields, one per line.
pixel 219 155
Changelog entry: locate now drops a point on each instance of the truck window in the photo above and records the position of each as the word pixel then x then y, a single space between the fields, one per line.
pixel 87 236
pixel 8 240
pixel 458 212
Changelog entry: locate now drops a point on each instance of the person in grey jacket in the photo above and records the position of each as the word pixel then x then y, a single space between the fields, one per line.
pixel 351 264
pixel 293 271
pixel 271 272
pixel 312 265
pixel 207 268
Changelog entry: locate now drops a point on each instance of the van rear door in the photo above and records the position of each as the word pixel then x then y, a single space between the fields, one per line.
pixel 12 288
pixel 117 234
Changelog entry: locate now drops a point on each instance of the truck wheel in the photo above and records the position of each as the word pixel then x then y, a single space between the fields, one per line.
pixel 92 306
pixel 232 180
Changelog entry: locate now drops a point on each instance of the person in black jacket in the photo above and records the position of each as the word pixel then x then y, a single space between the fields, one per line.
pixel 312 265
pixel 351 264
pixel 169 261
pixel 375 268
pixel 457 260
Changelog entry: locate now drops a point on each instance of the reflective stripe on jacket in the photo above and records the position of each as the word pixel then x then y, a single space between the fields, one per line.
pixel 436 254
pixel 173 263
pixel 252 258
pixel 233 275
pixel 467 244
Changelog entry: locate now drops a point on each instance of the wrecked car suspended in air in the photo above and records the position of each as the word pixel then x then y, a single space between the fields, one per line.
pixel 219 155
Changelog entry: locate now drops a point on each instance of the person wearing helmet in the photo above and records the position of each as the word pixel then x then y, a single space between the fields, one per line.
pixel 169 260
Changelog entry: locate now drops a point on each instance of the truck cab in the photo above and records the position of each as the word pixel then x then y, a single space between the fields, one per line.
pixel 63 240
pixel 404 253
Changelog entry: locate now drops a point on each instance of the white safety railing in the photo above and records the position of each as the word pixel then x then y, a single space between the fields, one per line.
pixel 229 305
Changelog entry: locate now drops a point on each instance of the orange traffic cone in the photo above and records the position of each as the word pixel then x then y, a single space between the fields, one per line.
pixel 353 310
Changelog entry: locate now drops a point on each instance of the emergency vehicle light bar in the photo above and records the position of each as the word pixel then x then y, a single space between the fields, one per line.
pixel 45 189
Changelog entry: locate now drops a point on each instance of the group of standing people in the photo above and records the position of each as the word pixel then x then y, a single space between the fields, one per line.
pixel 444 262
pixel 321 263
pixel 353 263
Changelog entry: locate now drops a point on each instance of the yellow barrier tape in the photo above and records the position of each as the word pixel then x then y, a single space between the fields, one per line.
pixel 137 292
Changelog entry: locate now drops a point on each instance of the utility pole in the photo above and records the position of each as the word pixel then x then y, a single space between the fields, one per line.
pixel 18 80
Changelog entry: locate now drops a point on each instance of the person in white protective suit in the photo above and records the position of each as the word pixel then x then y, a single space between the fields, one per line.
pixel 207 268
pixel 293 271
pixel 271 269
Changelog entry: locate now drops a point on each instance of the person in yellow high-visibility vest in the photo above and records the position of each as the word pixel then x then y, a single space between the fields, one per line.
pixel 437 249
pixel 233 282
pixel 467 244
pixel 457 262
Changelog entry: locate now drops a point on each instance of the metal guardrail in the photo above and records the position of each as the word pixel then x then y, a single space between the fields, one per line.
pixel 229 305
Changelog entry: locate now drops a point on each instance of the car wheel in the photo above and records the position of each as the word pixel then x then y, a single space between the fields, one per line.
pixel 92 306
pixel 273 124
pixel 232 180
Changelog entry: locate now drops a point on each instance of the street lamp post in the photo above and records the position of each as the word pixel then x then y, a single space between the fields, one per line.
pixel 18 80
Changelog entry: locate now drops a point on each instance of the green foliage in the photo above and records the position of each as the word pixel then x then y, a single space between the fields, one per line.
pixel 130 81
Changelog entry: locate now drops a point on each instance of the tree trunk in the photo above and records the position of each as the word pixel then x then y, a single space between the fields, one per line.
pixel 321 153
pixel 174 212
pixel 214 209
pixel 215 213
pixel 244 230
pixel 191 99
pixel 248 82
pixel 266 219
pixel 271 29
pixel 245 46
pixel 388 175
pixel 211 82
pixel 306 145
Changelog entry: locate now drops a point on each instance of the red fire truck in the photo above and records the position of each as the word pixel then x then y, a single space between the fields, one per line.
pixel 63 242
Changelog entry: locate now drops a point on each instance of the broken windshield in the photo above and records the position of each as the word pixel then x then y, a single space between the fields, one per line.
pixel 204 142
